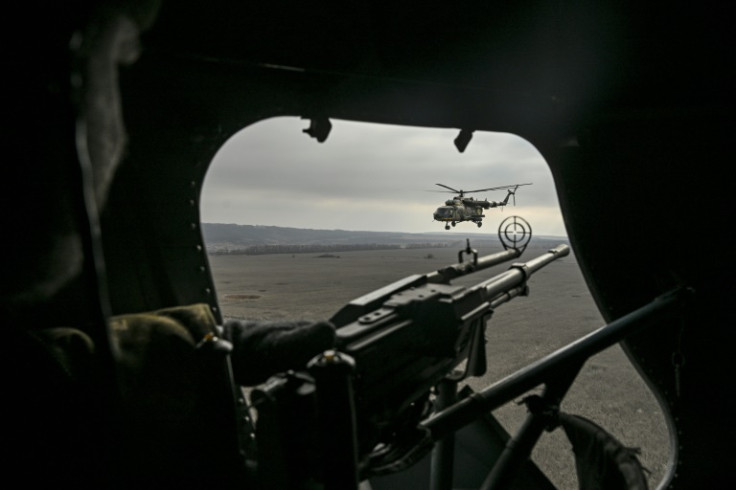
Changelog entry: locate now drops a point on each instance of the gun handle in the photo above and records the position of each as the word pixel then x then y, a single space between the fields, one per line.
pixel 333 372
pixel 477 363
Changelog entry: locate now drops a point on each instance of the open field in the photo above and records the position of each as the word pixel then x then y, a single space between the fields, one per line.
pixel 558 311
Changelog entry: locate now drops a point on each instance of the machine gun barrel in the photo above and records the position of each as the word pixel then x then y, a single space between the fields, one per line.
pixel 462 268
pixel 503 287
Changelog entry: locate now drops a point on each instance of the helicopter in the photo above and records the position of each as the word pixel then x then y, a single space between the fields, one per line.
pixel 461 208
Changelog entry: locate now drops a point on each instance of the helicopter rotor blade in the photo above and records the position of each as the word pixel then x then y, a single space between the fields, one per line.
pixel 496 188
pixel 448 187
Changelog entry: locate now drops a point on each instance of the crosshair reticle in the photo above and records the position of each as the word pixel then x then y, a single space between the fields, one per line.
pixel 515 232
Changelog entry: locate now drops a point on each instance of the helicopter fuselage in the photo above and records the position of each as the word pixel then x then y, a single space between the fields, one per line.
pixel 457 210
pixel 464 209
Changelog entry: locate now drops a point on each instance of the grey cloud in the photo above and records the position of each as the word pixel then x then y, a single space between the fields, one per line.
pixel 360 170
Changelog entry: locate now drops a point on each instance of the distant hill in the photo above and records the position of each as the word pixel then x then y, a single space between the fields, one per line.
pixel 232 238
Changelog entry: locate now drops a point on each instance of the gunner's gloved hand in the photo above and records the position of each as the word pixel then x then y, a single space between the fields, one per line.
pixel 262 349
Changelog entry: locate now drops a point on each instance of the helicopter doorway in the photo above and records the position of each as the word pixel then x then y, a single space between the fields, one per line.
pixel 296 228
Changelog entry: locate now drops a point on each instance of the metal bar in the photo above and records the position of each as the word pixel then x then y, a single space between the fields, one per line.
pixel 518 383
pixel 443 453
pixel 541 415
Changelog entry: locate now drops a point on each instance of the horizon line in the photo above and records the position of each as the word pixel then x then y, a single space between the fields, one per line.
pixel 369 231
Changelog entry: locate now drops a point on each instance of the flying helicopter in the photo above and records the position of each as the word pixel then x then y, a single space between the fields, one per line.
pixel 461 208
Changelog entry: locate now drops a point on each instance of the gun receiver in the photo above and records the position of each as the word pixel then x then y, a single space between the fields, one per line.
pixel 371 301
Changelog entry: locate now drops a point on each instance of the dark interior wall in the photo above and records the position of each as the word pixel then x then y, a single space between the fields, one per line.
pixel 629 103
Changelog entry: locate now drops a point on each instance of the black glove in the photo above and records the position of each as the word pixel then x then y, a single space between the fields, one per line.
pixel 262 349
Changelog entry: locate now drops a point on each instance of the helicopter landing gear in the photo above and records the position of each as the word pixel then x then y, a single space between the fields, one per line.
pixel 479 224
pixel 447 227
pixel 453 224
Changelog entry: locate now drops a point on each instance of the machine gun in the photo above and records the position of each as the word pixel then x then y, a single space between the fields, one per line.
pixel 386 395
pixel 394 346
pixel 408 337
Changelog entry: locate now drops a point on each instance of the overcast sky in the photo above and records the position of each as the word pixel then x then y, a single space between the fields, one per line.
pixel 371 177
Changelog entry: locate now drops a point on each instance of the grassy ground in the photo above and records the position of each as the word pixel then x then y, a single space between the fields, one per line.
pixel 558 311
